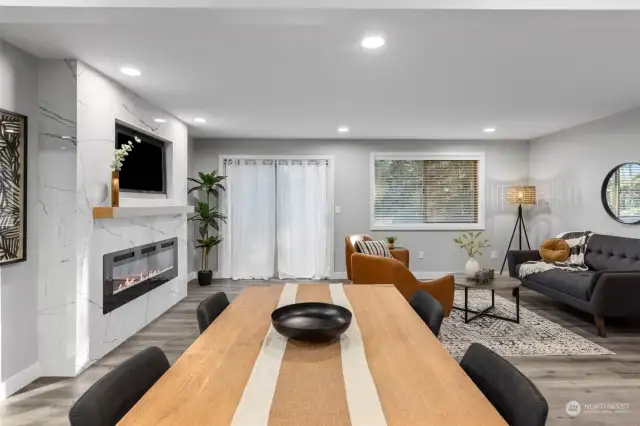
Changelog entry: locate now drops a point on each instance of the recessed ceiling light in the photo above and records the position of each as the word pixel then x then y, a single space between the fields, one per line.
pixel 489 129
pixel 199 120
pixel 343 129
pixel 63 147
pixel 159 120
pixel 133 72
pixel 373 42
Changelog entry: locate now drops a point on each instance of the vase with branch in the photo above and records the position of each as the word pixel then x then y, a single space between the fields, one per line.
pixel 119 155
pixel 208 218
pixel 473 244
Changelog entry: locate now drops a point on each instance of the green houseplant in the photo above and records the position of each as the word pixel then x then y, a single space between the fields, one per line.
pixel 473 244
pixel 391 242
pixel 208 218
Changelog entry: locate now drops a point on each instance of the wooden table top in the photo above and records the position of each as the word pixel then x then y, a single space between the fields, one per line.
pixel 388 369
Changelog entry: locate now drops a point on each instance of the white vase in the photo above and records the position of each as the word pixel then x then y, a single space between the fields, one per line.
pixel 471 267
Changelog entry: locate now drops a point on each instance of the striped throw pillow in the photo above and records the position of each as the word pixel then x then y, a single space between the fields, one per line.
pixel 373 248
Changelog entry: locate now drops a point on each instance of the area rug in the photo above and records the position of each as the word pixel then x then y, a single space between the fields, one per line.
pixel 534 336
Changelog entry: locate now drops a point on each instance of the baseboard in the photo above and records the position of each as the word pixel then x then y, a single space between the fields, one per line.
pixel 430 275
pixel 192 276
pixel 16 382
pixel 421 275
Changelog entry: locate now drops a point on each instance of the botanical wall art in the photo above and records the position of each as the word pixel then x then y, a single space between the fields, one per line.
pixel 13 187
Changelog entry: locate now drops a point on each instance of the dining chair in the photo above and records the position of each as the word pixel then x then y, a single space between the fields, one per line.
pixel 111 397
pixel 366 269
pixel 512 394
pixel 210 308
pixel 429 309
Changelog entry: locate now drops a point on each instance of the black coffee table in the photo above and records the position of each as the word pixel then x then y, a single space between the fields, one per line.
pixel 498 283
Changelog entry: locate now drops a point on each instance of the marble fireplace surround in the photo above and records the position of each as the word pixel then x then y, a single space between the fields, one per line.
pixel 79 108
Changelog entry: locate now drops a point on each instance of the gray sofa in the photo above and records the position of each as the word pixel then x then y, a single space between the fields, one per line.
pixel 610 288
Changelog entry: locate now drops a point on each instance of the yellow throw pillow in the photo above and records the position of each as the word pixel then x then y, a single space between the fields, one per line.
pixel 554 250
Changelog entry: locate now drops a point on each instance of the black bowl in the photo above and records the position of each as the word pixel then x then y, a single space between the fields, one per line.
pixel 311 321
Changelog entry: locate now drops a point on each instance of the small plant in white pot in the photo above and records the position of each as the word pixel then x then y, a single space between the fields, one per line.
pixel 473 244
pixel 391 242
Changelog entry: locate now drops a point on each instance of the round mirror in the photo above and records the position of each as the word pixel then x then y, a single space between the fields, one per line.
pixel 621 193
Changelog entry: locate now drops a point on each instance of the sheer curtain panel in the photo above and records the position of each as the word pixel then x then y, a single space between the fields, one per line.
pixel 302 219
pixel 252 222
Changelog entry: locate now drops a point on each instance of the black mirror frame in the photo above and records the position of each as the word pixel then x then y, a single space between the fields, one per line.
pixel 603 195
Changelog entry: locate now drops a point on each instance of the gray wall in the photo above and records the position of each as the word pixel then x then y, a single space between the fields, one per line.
pixel 193 259
pixel 18 282
pixel 568 169
pixel 507 163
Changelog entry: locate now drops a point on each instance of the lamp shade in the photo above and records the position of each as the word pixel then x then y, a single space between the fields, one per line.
pixel 521 194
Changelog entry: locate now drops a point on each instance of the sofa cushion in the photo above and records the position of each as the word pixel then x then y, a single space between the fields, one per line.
pixel 610 253
pixel 575 284
pixel 554 250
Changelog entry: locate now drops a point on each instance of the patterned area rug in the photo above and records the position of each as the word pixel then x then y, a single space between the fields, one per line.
pixel 534 336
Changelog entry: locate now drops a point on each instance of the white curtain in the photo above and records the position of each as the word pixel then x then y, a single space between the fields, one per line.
pixel 303 216
pixel 251 208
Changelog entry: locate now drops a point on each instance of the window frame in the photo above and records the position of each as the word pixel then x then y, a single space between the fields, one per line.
pixel 408 156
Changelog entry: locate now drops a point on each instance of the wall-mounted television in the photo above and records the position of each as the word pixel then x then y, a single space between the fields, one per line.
pixel 144 168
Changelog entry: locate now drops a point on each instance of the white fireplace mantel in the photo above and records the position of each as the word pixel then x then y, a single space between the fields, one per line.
pixel 124 212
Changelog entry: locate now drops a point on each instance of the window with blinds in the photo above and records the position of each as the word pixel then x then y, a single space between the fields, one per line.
pixel 429 193
pixel 623 192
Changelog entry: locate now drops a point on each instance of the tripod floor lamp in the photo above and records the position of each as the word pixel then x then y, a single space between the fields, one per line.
pixel 519 195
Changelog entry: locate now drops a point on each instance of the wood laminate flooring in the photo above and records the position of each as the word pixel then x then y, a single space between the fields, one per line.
pixel 586 379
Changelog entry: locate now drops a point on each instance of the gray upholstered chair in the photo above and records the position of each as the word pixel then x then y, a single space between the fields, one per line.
pixel 210 308
pixel 512 394
pixel 429 309
pixel 111 397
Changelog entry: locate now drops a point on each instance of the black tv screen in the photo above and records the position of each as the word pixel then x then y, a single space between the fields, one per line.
pixel 143 169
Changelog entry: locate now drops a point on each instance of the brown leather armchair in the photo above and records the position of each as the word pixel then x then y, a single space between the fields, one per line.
pixel 350 241
pixel 367 269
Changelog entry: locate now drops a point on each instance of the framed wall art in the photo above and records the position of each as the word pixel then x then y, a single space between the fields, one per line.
pixel 13 187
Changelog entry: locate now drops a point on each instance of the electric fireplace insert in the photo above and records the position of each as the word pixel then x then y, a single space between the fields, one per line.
pixel 130 273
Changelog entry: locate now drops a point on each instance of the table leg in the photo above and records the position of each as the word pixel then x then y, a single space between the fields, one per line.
pixel 466 305
pixel 493 298
pixel 518 305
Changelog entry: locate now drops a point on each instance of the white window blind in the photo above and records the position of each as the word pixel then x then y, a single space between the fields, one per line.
pixel 623 192
pixel 426 193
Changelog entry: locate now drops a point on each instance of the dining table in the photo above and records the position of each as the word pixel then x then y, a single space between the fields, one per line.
pixel 386 369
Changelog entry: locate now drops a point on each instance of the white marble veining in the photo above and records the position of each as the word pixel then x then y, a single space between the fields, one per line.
pixel 56 217
pixel 100 103
pixel 79 110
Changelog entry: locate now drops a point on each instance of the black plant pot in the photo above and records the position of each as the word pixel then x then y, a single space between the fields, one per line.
pixel 204 277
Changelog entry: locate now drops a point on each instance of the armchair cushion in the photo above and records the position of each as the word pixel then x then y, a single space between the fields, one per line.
pixel 373 248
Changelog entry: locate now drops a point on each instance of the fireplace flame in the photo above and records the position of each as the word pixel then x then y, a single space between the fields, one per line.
pixel 132 280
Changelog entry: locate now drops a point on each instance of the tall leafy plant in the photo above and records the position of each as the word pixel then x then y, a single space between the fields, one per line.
pixel 206 214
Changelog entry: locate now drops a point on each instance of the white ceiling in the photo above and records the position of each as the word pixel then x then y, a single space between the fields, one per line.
pixel 301 74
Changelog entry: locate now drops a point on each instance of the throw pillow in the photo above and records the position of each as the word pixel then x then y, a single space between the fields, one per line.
pixel 554 250
pixel 373 248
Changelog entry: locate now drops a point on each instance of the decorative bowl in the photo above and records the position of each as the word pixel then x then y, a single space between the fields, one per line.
pixel 311 321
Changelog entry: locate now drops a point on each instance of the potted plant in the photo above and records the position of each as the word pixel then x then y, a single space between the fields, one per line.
pixel 391 242
pixel 208 218
pixel 473 244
